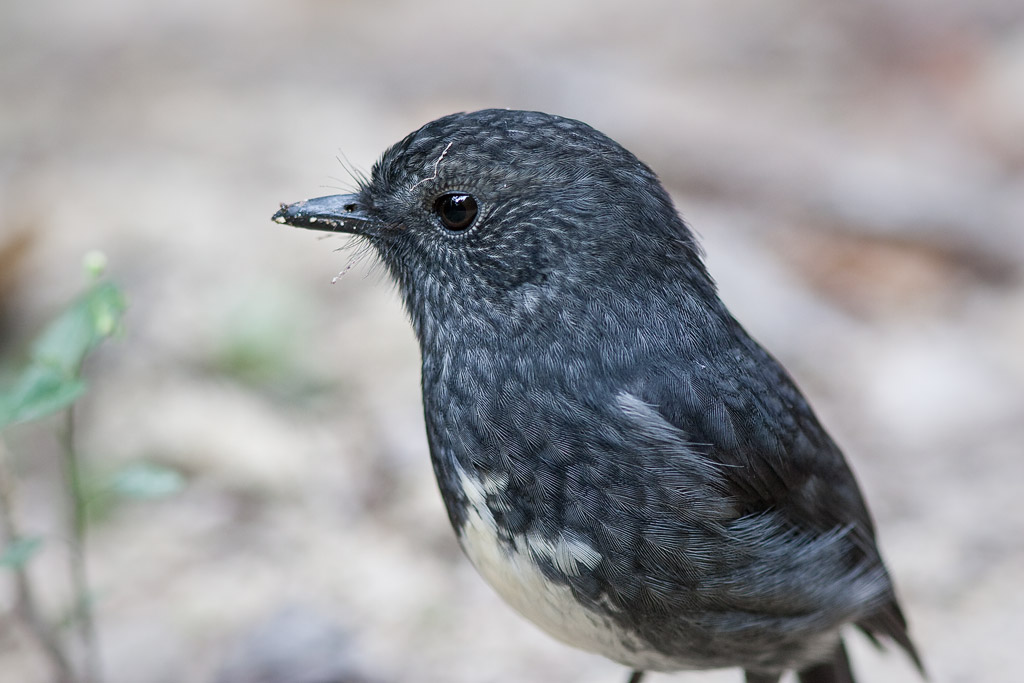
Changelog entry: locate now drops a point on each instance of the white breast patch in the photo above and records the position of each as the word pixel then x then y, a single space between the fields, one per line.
pixel 513 572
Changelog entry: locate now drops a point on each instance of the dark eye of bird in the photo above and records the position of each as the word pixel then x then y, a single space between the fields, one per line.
pixel 456 210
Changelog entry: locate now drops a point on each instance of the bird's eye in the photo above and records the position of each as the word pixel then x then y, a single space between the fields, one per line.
pixel 456 210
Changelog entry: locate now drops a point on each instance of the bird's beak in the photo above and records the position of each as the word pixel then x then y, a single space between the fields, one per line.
pixel 335 213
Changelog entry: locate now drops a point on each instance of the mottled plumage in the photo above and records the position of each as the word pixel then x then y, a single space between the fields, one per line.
pixel 625 465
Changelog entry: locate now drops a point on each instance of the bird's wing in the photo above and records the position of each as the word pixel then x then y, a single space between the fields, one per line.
pixel 742 411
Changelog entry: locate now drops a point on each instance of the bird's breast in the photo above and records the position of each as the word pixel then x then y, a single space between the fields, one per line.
pixel 512 565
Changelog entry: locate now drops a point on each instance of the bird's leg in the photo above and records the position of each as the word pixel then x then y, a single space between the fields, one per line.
pixel 835 671
pixel 635 677
pixel 754 677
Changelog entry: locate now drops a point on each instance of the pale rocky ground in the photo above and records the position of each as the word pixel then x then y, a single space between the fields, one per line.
pixel 856 172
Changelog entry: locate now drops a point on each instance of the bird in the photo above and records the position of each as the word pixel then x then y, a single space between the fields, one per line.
pixel 618 457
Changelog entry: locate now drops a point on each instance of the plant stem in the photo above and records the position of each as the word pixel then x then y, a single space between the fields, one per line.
pixel 79 575
pixel 25 606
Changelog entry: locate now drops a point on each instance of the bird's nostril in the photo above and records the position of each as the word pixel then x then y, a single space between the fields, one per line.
pixel 350 207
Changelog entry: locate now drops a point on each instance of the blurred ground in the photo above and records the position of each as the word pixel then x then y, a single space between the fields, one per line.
pixel 856 171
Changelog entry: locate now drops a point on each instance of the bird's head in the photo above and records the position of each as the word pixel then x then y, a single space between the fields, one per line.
pixel 495 212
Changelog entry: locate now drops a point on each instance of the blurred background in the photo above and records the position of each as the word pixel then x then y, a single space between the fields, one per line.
pixel 856 173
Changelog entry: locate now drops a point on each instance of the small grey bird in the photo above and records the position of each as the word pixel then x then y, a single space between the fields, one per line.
pixel 619 459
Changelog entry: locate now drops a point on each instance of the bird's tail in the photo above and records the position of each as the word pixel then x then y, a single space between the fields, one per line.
pixel 889 621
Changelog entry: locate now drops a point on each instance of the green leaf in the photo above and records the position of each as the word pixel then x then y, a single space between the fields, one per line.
pixel 19 551
pixel 75 332
pixel 37 392
pixel 147 481
pixel 50 380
